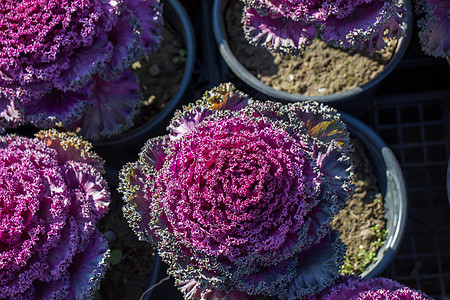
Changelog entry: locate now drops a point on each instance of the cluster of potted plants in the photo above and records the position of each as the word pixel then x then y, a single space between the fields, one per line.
pixel 237 197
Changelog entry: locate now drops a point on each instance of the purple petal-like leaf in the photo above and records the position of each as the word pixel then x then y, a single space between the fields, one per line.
pixel 89 197
pixel 88 268
pixel 71 147
pixel 149 15
pixel 277 33
pixel 136 185
pixel 365 27
pixel 58 106
pixel 84 177
pixel 153 152
pixel 85 62
pixel 125 40
pixel 191 289
pixel 183 124
pixel 434 31
pixel 317 267
pixel 60 257
pixel 272 278
pixel 337 169
pixel 115 105
pixel 55 289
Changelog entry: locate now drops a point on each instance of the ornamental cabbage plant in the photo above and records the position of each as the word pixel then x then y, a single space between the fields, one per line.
pixel 52 195
pixel 290 26
pixel 350 287
pixel 434 27
pixel 67 62
pixel 239 196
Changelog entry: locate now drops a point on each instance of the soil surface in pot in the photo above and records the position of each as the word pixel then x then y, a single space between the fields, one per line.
pixel 131 260
pixel 160 75
pixel 361 223
pixel 321 70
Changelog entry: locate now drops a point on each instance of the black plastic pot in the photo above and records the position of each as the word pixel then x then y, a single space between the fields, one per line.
pixel 118 150
pixel 392 185
pixel 353 101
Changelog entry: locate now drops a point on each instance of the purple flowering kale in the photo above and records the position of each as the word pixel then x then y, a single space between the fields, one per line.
pixel 52 195
pixel 289 26
pixel 67 62
pixel 434 27
pixel 238 198
pixel 356 288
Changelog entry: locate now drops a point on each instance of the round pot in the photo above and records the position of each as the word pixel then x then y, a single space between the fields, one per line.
pixel 392 186
pixel 353 100
pixel 123 148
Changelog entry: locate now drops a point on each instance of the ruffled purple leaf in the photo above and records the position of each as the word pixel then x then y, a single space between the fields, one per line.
pixel 149 16
pixel 55 289
pixel 25 93
pixel 192 290
pixel 89 181
pixel 309 11
pixel 184 124
pixel 137 188
pixel 223 97
pixel 365 27
pixel 115 104
pixel 58 106
pixel 84 63
pixel 125 38
pixel 70 147
pixel 153 152
pixel 88 268
pixel 336 166
pixel 317 267
pixel 434 27
pixel 89 195
pixel 349 287
pixel 60 257
pixel 277 33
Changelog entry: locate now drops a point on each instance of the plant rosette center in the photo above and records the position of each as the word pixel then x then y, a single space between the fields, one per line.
pixel 237 186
